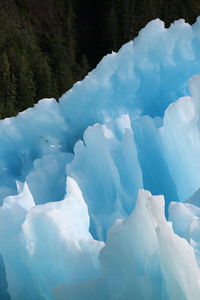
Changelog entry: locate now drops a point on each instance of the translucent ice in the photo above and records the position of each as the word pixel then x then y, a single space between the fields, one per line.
pixel 54 245
pixel 77 215
pixel 142 259
pixel 111 194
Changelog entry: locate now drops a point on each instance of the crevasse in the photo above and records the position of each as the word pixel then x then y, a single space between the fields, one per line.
pixel 100 193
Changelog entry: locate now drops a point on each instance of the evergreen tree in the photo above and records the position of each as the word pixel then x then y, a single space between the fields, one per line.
pixel 25 84
pixel 4 81
pixel 45 46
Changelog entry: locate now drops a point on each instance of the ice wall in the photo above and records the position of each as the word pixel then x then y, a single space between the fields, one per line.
pixel 142 259
pixel 76 219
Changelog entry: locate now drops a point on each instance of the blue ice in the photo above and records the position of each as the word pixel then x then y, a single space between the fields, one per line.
pixel 100 192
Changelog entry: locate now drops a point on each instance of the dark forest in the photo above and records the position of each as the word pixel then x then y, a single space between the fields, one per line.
pixel 47 45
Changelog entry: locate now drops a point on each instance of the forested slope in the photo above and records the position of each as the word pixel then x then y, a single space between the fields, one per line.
pixel 47 45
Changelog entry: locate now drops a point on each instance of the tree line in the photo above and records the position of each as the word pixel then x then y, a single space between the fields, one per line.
pixel 47 45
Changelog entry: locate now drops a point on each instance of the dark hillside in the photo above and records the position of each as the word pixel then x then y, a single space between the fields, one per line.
pixel 47 45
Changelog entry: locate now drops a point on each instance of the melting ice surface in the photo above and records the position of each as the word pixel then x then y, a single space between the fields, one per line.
pixel 100 193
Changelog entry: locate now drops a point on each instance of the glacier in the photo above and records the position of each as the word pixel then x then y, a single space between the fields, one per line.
pixel 100 191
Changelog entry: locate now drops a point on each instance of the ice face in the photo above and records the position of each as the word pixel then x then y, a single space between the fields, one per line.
pixel 53 243
pixel 142 259
pixel 111 194
pixel 81 211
